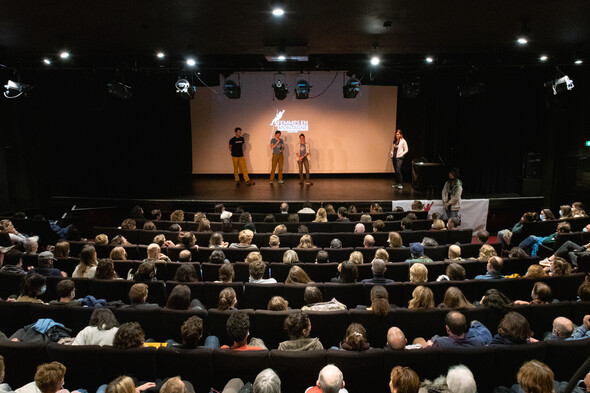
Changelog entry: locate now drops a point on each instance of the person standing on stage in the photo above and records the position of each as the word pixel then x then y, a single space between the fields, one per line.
pixel 451 194
pixel 277 146
pixel 303 157
pixel 399 148
pixel 236 147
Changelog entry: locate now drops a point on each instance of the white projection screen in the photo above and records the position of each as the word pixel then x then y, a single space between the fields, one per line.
pixel 345 135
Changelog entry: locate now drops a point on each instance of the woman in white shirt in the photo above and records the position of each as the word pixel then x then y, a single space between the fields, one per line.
pixel 87 266
pixel 399 148
pixel 101 329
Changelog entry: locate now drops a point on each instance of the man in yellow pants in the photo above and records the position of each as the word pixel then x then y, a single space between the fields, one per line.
pixel 277 147
pixel 236 148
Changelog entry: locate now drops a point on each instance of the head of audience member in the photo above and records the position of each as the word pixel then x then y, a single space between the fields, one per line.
pixel 217 256
pixel 352 209
pixel 330 379
pixel 456 324
pixel 227 299
pixel 216 240
pixel 31 245
pixel 177 216
pixel 45 259
pixel 245 237
pixel 454 252
pixel 453 223
pixel 175 228
pixel 330 209
pixel 129 223
pixel 198 217
pixel 438 225
pixel 129 335
pixel 562 327
pixel 429 242
pixel 297 276
pixel 302 229
pixel 119 240
pixel 186 273
pixel 49 377
pixel 173 385
pixel 267 381
pixel 454 298
pixel 297 325
pixel 156 214
pixel 312 295
pixel 278 303
pixel 136 212
pixel 495 299
pixel 284 208
pixel 186 239
pixel 335 243
pixel 356 257
pixel 160 240
pixel 62 250
pixel 517 253
pixel 245 217
pixel 121 384
pixel 348 272
pixel 584 291
pixel 375 208
pixel 87 259
pixel 455 272
pixel 406 224
pixel 578 209
pixel 382 254
pixel 257 269
pixel 365 218
pixel 219 208
pixel 378 226
pixel 355 338
pixel 565 211
pixel 342 212
pixel 486 252
pixel 119 254
pixel 13 258
pixel 368 241
pixel 105 270
pixel 535 271
pixel 378 267
pixel 280 229
pixel 396 339
pixel 153 251
pixel 322 257
pixel 290 256
pixel 179 298
pixel 185 256
pixel 418 273
pixel 226 225
pixel 546 214
pixel 33 285
pixel 404 380
pixel 204 226
pixel 226 272
pixel 460 380
pixel 145 272
pixel 422 298
pixel 238 325
pixel 416 250
pixel 541 293
pixel 560 267
pixel 253 256
pixel 321 215
pixel 138 293
pixel 380 300
pixel 274 241
pixel 65 290
pixel 495 265
pixel 417 206
pixel 191 331
pixel 436 215
pixel 515 327
pixel 564 227
pixel 306 242
pixel 483 236
pixel 395 240
pixel 535 377
pixel 359 227
pixel 293 217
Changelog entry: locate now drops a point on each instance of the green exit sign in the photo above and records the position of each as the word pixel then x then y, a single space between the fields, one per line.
pixel 587 143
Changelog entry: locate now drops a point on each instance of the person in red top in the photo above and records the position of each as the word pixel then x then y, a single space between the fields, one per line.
pixel 237 326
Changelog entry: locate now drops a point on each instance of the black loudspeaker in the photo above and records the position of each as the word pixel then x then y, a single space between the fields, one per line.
pixel 533 165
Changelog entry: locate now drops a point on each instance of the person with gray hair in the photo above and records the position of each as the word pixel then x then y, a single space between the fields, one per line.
pixel 330 380
pixel 284 208
pixel 378 267
pixel 460 380
pixel 31 245
pixel 336 243
pixel 267 381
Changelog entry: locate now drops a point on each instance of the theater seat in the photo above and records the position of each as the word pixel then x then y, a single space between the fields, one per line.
pixel 478 360
pixel 348 294
pixel 246 365
pixel 294 294
pixel 21 361
pixel 425 362
pixel 258 295
pixel 509 358
pixel 212 289
pixel 297 370
pixel 79 359
pixel 362 370
pixel 328 326
pixel 376 326
pixel 269 326
pixel 193 365
pixel 172 320
pixel 140 363
pixel 149 319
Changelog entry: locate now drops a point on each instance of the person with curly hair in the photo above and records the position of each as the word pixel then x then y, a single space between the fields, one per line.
pixel 298 327
pixel 355 338
pixel 238 326
pixel 129 335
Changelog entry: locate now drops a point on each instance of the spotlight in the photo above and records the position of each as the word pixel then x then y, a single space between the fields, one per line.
pixel 47 61
pixel 64 54
pixel 522 40
pixel 278 11
pixel 543 58
pixel 160 55
pixel 282 58
pixel 578 61
pixel 119 89
pixel 280 87
pixel 562 83
pixel 352 88
pixel 375 60
pixel 184 89
pixel 232 90
pixel 429 59
pixel 15 89
pixel 191 62
pixel 302 90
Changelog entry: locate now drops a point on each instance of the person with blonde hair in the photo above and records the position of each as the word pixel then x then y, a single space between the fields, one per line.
pixel 356 257
pixel 535 377
pixel 381 253
pixel 404 380
pixel 253 256
pixel 278 303
pixel 535 271
pixel 290 256
pixel 418 273
pixel 87 266
pixel 321 215
pixel 438 225
pixel 395 240
pixel 454 298
pixel 422 298
pixel 486 252
pixel 101 240
pixel 298 276
pixel 245 237
pixel 62 250
pixel 118 254
pixel 204 226
pixel 125 384
pixel 306 242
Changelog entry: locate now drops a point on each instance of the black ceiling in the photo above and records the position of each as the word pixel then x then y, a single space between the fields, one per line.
pixel 226 35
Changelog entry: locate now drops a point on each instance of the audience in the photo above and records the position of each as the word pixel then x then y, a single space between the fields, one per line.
pixel 298 327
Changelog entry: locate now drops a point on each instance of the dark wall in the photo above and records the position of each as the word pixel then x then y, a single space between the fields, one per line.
pixel 69 138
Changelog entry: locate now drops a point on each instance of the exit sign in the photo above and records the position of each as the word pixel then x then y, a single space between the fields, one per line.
pixel 587 143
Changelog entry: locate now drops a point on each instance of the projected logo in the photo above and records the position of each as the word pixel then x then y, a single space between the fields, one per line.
pixel 290 126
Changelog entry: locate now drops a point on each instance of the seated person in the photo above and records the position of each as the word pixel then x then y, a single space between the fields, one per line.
pixel 33 285
pixel 460 335
pixel 138 295
pixel 49 378
pixel 348 273
pixel 257 269
pixel 378 267
pixel 154 254
pixel 66 290
pixel 493 267
pixel 396 339
pixel 245 237
pixel 513 329
pixel 101 329
pixel 417 253
pixel 45 266
pixel 564 330
pixel 355 338
pixel 314 301
pixel 298 326
pixel 238 326
pixel 191 332
pixel 13 262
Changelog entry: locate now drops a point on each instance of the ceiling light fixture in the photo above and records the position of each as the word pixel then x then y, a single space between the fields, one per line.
pixel 524 35
pixel 191 62
pixel 578 61
pixel 522 40
pixel 47 61
pixel 160 55
pixel 280 88
pixel 429 59
pixel 352 88
pixel 375 60
pixel 184 89
pixel 64 54
pixel 543 58
pixel 302 89
pixel 278 11
pixel 281 58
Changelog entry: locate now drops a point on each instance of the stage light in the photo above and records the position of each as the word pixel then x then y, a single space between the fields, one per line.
pixel 578 61
pixel 184 89
pixel 561 83
pixel 281 58
pixel 543 58
pixel 119 89
pixel 375 60
pixel 191 62
pixel 429 59
pixel 280 87
pixel 47 61
pixel 352 88
pixel 15 89
pixel 64 54
pixel 160 55
pixel 232 90
pixel 278 11
pixel 522 40
pixel 302 89
pixel 523 36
